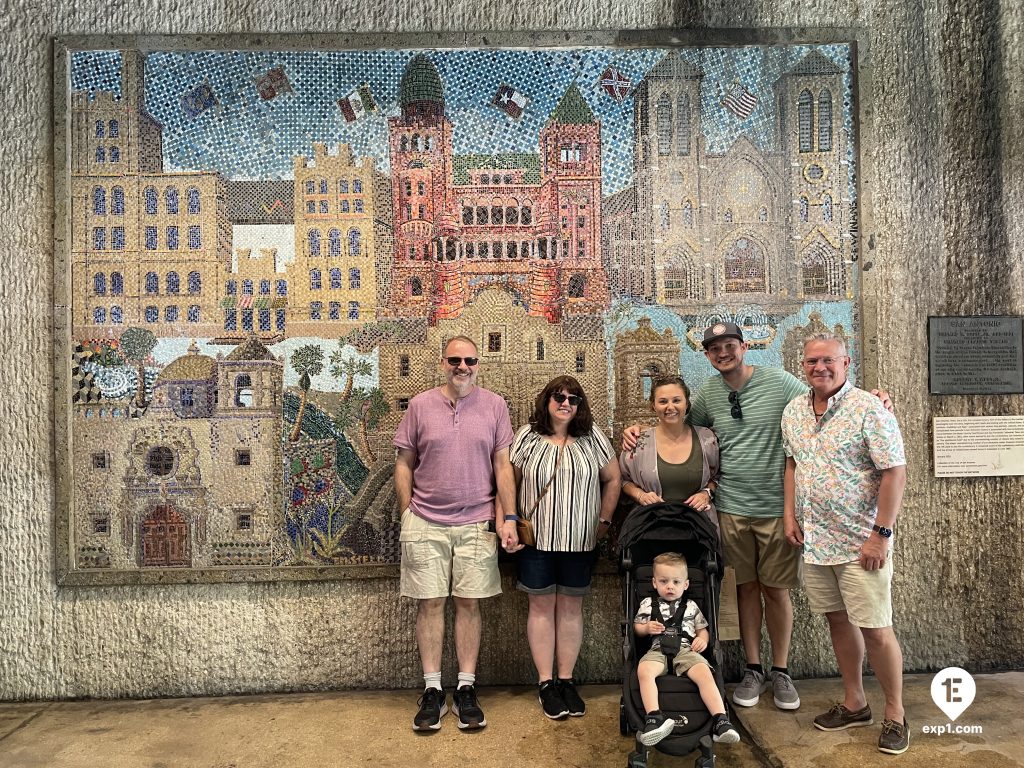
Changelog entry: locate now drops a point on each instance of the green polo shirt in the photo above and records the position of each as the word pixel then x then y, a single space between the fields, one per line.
pixel 753 461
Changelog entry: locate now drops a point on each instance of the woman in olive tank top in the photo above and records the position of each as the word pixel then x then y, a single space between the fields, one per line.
pixel 673 461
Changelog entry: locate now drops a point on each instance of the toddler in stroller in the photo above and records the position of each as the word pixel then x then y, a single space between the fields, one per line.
pixel 680 633
pixel 674 720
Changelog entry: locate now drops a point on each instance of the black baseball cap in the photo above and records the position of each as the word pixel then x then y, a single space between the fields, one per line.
pixel 722 331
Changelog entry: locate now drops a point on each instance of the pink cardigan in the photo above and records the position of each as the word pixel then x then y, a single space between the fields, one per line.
pixel 640 466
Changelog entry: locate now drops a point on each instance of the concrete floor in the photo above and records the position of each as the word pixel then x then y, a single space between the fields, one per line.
pixel 372 728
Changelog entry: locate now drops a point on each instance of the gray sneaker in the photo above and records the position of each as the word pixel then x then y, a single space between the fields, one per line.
pixel 750 688
pixel 784 691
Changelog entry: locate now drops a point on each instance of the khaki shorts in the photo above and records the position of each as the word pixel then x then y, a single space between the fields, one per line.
pixel 866 596
pixel 757 548
pixel 438 560
pixel 682 663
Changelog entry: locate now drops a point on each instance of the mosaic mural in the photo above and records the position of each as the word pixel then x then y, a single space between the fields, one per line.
pixel 268 250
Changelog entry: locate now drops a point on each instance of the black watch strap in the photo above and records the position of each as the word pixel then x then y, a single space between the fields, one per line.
pixel 885 533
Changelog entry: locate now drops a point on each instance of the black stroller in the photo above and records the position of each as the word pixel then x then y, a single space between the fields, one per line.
pixel 645 534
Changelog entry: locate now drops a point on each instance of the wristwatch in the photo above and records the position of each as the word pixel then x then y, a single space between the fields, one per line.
pixel 885 533
pixel 709 492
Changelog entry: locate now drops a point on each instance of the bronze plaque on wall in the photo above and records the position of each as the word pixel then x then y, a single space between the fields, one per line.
pixel 981 355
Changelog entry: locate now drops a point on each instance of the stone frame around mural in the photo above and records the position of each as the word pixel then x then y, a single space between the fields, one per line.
pixel 862 313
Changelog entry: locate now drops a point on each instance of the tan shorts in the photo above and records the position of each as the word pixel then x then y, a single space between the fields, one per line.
pixel 757 548
pixel 438 560
pixel 866 596
pixel 681 664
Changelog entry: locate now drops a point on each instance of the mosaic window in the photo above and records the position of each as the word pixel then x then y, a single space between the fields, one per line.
pixel 117 201
pixel 745 267
pixel 825 121
pixel 805 118
pixel 116 284
pixel 171 200
pixel 683 124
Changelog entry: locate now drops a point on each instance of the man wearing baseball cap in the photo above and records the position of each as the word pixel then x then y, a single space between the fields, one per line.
pixel 744 406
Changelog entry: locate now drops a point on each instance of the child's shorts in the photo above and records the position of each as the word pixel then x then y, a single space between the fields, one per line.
pixel 681 664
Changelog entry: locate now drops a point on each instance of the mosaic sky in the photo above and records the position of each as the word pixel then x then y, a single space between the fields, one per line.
pixel 245 137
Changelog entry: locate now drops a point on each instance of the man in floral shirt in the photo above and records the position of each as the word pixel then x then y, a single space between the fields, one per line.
pixel 845 474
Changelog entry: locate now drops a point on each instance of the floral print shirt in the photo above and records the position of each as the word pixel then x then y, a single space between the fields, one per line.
pixel 838 469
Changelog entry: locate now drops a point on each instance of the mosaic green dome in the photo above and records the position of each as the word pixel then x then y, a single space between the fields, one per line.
pixel 420 82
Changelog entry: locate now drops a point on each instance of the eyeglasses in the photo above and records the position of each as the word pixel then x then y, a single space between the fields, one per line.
pixel 456 361
pixel 560 398
pixel 734 400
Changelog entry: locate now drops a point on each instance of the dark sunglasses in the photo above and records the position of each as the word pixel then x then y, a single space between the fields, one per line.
pixel 560 398
pixel 456 361
pixel 736 411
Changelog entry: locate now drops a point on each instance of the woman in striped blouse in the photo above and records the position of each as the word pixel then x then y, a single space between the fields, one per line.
pixel 568 486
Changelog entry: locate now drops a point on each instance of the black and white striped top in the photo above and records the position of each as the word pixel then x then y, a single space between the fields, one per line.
pixel 567 517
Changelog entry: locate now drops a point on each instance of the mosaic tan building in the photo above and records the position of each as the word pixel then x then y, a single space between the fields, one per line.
pixel 148 248
pixel 737 226
pixel 342 242
pixel 519 354
pixel 196 479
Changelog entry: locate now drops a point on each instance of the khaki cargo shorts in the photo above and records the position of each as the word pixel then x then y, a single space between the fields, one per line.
pixel 757 548
pixel 866 596
pixel 681 664
pixel 441 560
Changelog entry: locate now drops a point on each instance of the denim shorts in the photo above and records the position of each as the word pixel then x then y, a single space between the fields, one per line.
pixel 545 573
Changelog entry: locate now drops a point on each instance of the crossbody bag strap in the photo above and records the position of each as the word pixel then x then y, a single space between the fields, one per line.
pixel 547 485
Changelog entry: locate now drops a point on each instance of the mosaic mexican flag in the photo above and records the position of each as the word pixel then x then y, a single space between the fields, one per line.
pixel 266 251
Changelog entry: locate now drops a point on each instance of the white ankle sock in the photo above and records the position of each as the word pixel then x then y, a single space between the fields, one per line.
pixel 432 680
pixel 466 678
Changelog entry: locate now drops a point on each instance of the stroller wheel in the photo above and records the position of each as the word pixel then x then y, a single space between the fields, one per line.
pixel 637 760
pixel 705 762
pixel 623 720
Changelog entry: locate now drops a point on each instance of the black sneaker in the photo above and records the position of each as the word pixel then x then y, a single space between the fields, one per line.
pixel 656 728
pixel 432 709
pixel 723 731
pixel 577 707
pixel 465 705
pixel 551 700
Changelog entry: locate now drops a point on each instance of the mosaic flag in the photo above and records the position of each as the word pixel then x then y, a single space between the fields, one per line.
pixel 740 100
pixel 198 100
pixel 273 84
pixel 357 104
pixel 615 84
pixel 510 101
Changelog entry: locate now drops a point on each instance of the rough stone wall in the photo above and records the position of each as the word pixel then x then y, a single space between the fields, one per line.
pixel 943 197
